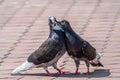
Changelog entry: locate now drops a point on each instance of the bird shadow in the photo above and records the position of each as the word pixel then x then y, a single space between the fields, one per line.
pixel 101 73
pixel 96 74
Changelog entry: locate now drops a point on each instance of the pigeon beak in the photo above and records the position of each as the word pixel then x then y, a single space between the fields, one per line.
pixel 54 24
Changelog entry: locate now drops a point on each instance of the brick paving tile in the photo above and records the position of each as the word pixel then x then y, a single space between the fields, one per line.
pixel 24 26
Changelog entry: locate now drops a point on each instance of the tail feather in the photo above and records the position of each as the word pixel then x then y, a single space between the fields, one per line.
pixel 25 66
pixel 96 62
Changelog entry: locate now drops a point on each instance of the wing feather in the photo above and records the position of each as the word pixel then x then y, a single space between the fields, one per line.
pixel 46 52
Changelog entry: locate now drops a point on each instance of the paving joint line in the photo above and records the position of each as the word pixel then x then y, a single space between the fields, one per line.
pixel 19 39
pixel 11 48
pixel 12 16
pixel 1 1
pixel 21 36
pixel 20 77
pixel 89 18
pixel 106 42
pixel 68 10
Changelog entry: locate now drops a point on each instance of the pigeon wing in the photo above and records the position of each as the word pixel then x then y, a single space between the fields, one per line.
pixel 46 52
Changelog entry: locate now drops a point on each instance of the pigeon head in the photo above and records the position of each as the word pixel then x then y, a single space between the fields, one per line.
pixel 52 21
pixel 65 24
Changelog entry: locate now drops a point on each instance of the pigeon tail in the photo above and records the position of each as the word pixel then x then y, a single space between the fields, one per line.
pixel 95 62
pixel 25 66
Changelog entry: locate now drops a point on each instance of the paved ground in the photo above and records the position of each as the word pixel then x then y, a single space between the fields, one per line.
pixel 24 26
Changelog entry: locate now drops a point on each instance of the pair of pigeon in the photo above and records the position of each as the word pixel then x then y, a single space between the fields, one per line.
pixel 62 38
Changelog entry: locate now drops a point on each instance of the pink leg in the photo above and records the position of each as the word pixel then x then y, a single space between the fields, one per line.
pixel 59 71
pixel 76 72
pixel 88 65
pixel 88 72
pixel 62 72
pixel 77 63
pixel 48 73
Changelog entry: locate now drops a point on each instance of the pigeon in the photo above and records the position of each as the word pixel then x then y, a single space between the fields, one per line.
pixel 48 54
pixel 79 49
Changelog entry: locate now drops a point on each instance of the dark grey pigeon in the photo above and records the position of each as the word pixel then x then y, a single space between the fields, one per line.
pixel 79 49
pixel 48 53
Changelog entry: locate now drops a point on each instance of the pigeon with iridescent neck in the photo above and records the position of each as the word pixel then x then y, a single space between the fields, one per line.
pixel 48 53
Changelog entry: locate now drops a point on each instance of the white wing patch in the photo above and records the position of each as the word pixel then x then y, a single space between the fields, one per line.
pixel 25 66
